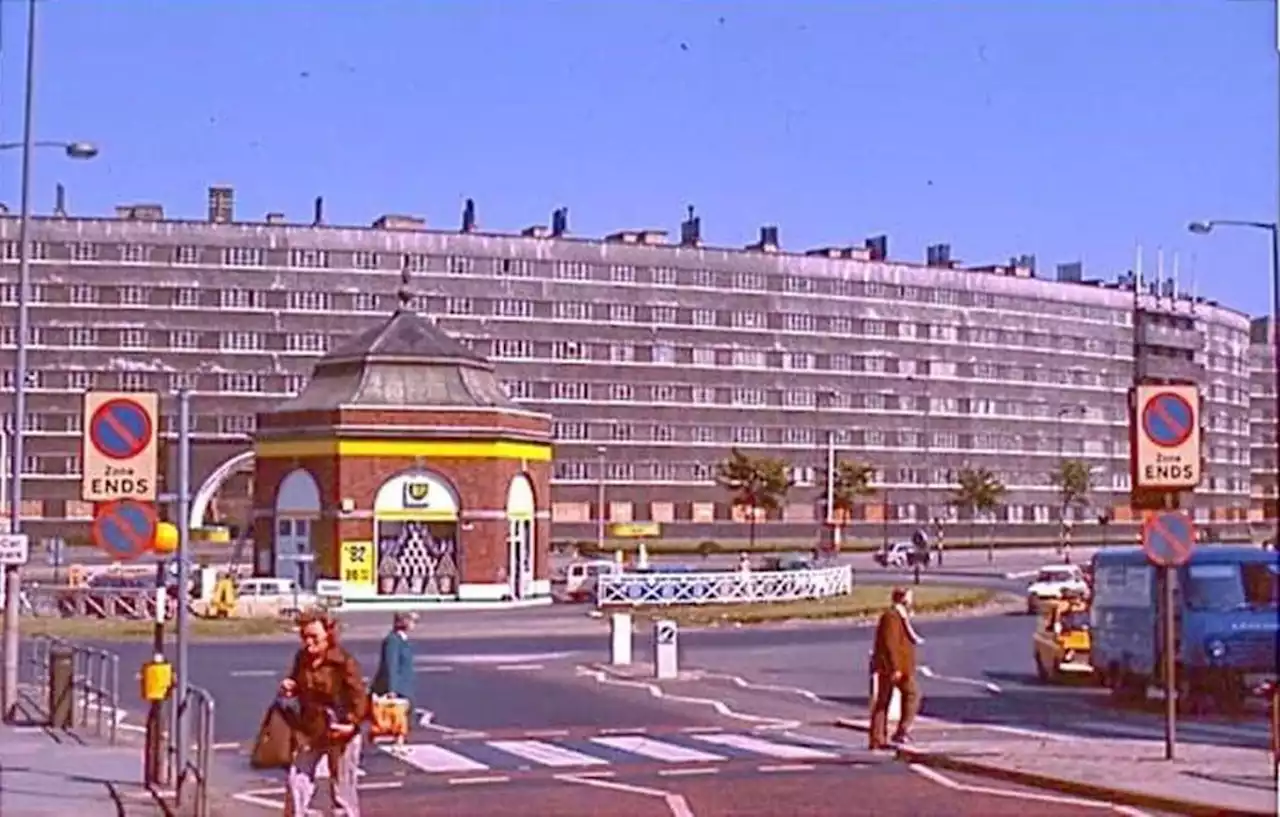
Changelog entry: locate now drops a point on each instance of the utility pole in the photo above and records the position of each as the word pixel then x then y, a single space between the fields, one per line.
pixel 600 498
pixel 13 573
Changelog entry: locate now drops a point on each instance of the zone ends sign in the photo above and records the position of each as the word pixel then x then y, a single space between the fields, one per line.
pixel 119 447
pixel 1166 438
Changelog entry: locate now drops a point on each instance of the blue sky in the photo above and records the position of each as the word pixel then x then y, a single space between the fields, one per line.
pixel 1072 129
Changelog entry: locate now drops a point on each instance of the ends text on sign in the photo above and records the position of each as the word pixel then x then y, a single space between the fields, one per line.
pixel 120 481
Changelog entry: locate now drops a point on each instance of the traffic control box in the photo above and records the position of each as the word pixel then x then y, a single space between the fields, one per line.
pixel 157 679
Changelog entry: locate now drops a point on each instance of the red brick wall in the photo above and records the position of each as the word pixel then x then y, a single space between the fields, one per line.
pixel 481 484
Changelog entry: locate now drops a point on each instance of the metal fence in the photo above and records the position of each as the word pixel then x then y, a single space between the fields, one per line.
pixel 52 601
pixel 95 684
pixel 738 587
pixel 197 711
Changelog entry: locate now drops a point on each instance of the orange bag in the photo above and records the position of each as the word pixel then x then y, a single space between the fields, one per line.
pixel 390 716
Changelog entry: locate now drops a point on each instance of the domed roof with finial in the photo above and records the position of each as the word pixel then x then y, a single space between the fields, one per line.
pixel 407 361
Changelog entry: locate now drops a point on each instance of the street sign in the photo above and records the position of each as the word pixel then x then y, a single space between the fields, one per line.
pixel 1169 538
pixel 1166 447
pixel 14 549
pixel 124 529
pixel 666 632
pixel 119 446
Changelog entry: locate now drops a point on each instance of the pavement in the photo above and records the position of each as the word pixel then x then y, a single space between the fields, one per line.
pixel 45 773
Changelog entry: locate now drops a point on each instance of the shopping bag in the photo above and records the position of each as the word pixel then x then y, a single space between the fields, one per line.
pixel 276 742
pixel 389 716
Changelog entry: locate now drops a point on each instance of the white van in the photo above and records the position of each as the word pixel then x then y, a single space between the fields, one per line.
pixel 580 577
pixel 260 597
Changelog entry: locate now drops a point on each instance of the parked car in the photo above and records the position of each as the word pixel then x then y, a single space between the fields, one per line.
pixel 1052 583
pixel 903 555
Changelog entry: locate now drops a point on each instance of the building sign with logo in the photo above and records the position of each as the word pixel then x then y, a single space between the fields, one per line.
pixel 420 496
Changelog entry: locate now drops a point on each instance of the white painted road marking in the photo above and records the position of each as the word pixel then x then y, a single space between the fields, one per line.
pixel 928 672
pixel 546 754
pixel 658 750
pixel 430 757
pixel 765 747
pixel 256 673
pixel 491 658
pixel 942 780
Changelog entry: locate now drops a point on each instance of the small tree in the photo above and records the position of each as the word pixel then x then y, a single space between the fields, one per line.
pixel 978 492
pixel 755 483
pixel 850 482
pixel 1075 481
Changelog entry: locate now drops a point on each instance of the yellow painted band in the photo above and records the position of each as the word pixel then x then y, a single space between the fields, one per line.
pixel 415 516
pixel 493 450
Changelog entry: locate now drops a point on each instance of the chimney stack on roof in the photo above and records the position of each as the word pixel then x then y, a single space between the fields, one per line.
pixel 221 204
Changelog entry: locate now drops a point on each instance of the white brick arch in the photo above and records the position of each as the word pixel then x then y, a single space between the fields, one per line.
pixel 209 488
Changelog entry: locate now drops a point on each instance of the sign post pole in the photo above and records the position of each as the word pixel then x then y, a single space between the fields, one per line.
pixel 1170 666
pixel 1169 537
pixel 178 728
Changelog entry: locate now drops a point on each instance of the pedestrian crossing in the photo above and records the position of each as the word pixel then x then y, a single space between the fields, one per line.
pixel 593 752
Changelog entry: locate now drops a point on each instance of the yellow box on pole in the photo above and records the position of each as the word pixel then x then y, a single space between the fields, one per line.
pixel 157 680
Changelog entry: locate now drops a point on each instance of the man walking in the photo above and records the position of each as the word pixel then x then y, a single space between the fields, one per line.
pixel 893 665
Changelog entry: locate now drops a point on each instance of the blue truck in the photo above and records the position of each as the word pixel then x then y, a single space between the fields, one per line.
pixel 1227 618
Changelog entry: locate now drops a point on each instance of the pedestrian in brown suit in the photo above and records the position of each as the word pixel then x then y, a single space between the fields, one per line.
pixel 893 663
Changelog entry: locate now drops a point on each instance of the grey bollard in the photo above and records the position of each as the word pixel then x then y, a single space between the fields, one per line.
pixel 62 704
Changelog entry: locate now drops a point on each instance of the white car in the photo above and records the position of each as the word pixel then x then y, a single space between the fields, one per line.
pixel 1053 582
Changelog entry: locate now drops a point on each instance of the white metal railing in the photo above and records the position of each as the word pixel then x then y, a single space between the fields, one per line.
pixel 738 587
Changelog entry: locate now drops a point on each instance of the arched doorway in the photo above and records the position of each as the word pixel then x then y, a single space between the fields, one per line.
pixel 520 532
pixel 415 531
pixel 296 511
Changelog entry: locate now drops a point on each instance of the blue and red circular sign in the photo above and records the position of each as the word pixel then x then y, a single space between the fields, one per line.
pixel 120 429
pixel 1169 538
pixel 1168 419
pixel 125 529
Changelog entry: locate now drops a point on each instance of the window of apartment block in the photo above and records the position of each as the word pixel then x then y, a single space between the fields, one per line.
pixel 186 297
pixel 240 383
pixel 186 254
pixel 309 259
pixel 240 341
pixel 132 296
pixel 622 313
pixel 622 353
pixel 512 348
pixel 664 393
pixel 133 338
pixel 662 511
pixel 365 259
pixel 310 301
pixel 84 251
pixel 567 390
pixel 704 395
pixel 571 470
pixel 569 350
pixel 135 381
pixel 183 380
pixel 82 336
pixel 622 274
pixel 237 423
pixel 573 271
pixel 243 257
pixel 459 306
pixel 518 389
pixel 81 379
pixel 571 310
pixel 83 294
pixel 669 315
pixel 621 392
pixel 664 276
pixel 513 308
pixel 703 356
pixel 703 317
pixel 367 302
pixel 662 353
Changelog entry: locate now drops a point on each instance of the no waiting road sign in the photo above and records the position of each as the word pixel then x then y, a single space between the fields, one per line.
pixel 1166 451
pixel 1169 538
pixel 124 529
pixel 119 448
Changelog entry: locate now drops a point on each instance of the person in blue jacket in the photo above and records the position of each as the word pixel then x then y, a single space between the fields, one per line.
pixel 395 668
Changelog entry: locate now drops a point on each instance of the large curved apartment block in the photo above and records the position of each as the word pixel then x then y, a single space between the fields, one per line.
pixel 655 357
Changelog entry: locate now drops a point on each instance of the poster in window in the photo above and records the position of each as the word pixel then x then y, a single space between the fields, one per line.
pixel 356 564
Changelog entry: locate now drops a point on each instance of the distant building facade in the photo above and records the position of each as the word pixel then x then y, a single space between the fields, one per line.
pixel 654 357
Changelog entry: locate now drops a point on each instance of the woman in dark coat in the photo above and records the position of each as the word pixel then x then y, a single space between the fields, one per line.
pixel 395 673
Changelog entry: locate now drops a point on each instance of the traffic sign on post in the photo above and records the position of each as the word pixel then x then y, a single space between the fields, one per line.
pixel 14 549
pixel 124 529
pixel 1166 450
pixel 1169 538
pixel 119 447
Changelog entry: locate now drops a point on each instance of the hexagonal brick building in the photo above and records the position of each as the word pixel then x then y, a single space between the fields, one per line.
pixel 404 471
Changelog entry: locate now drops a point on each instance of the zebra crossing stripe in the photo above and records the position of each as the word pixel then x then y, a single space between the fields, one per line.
pixel 546 754
pixel 431 757
pixel 658 750
pixel 764 747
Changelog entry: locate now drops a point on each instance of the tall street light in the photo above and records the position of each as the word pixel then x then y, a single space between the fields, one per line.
pixel 1206 227
pixel 75 150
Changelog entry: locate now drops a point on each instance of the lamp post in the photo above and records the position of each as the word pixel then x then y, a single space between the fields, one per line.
pixel 17 452
pixel 1206 227
pixel 600 497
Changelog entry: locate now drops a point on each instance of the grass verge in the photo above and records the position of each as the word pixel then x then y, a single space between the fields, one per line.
pixel 81 629
pixel 863 602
